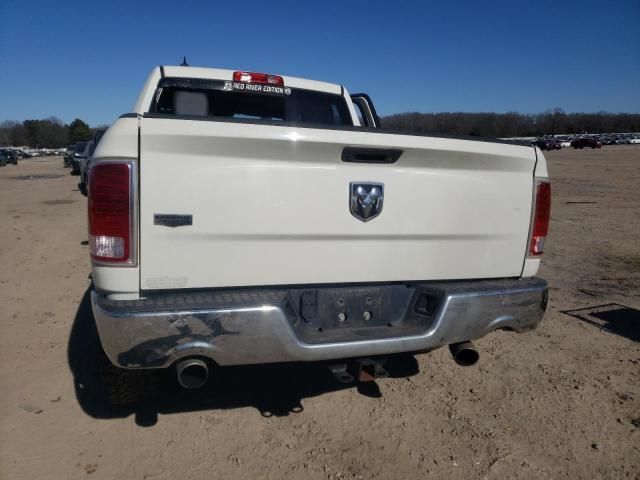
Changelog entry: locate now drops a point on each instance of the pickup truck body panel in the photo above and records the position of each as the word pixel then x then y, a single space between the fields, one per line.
pixel 270 206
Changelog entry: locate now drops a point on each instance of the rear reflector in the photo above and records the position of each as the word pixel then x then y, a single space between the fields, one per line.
pixel 252 77
pixel 111 213
pixel 540 220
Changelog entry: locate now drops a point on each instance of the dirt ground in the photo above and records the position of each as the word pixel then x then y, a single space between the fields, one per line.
pixel 560 402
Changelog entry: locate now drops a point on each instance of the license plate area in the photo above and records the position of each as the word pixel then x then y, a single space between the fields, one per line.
pixel 324 315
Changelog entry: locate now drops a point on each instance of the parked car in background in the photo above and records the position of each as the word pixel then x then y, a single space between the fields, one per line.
pixel 10 156
pixel 19 153
pixel 77 156
pixel 586 142
pixel 85 163
pixel 4 158
pixel 547 144
pixel 541 143
pixel 611 140
pixel 86 154
pixel 68 156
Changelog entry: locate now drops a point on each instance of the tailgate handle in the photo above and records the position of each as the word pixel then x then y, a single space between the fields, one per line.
pixel 370 155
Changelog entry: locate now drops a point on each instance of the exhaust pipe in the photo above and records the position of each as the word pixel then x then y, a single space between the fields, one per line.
pixel 192 373
pixel 464 353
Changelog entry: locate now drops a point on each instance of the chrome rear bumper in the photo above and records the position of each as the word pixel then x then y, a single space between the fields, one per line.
pixel 257 326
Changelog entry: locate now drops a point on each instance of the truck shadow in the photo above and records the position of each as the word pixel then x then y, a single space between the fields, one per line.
pixel 105 392
pixel 611 317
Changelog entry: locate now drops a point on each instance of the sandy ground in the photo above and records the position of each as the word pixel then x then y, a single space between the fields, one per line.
pixel 560 402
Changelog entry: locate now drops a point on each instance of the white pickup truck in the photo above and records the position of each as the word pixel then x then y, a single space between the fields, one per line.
pixel 246 218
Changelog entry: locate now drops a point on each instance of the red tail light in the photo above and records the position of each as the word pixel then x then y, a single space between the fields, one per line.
pixel 252 77
pixel 111 211
pixel 540 220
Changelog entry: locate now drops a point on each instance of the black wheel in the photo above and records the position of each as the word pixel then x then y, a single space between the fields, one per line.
pixel 82 186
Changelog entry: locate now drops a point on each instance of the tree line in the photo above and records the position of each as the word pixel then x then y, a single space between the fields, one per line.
pixel 512 124
pixel 53 133
pixel 48 133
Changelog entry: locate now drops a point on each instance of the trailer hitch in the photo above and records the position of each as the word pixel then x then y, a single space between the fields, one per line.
pixel 360 369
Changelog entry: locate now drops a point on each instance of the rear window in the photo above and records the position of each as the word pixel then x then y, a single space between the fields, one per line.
pixel 213 98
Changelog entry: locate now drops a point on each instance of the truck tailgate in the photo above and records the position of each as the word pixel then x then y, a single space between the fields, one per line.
pixel 270 206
